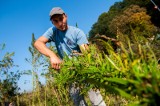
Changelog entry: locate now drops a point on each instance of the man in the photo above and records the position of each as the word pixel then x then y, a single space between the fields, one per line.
pixel 69 40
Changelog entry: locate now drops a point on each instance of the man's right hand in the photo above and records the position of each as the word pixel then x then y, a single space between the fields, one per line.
pixel 55 62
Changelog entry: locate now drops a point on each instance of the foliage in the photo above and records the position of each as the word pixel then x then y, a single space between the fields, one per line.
pixel 133 22
pixel 8 78
pixel 134 19
pixel 48 95
pixel 102 42
pixel 154 13
pixel 155 46
pixel 125 69
pixel 139 2
pixel 36 63
pixel 121 73
pixel 151 16
pixel 125 77
pixel 101 27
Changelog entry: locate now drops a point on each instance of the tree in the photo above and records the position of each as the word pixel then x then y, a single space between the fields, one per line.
pixel 101 27
pixel 133 20
pixel 150 7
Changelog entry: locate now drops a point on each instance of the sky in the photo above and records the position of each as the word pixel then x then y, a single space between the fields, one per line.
pixel 20 18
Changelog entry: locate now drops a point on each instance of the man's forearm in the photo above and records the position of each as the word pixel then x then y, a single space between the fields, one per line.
pixel 42 48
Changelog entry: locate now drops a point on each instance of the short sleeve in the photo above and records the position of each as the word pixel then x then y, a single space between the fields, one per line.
pixel 49 34
pixel 81 38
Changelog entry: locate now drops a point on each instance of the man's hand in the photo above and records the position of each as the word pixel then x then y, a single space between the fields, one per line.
pixel 84 47
pixel 55 62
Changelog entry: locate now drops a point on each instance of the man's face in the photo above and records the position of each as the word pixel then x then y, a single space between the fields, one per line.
pixel 60 21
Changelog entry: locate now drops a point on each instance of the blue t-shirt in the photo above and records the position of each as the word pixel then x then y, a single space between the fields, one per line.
pixel 67 41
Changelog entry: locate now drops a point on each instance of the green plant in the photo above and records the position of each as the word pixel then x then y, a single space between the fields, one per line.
pixel 8 78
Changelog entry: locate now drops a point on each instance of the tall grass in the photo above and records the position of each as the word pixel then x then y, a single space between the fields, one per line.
pixel 130 76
